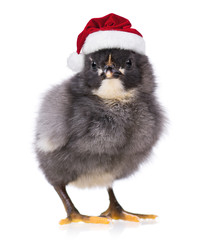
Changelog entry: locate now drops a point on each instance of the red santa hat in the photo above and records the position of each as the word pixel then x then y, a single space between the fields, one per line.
pixel 110 31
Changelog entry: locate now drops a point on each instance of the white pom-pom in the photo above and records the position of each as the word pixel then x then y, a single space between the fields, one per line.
pixel 76 62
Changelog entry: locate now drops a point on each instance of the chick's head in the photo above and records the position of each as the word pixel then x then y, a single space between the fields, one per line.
pixel 117 74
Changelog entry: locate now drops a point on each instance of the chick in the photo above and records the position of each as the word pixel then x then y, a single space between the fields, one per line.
pixel 99 127
pixel 101 124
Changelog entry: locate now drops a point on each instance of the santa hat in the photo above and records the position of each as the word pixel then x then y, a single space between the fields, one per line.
pixel 110 31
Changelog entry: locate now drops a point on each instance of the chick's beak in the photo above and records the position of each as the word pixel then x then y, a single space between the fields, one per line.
pixel 112 72
pixel 109 68
pixel 108 71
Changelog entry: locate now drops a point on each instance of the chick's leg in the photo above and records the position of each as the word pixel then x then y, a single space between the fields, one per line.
pixel 115 211
pixel 73 214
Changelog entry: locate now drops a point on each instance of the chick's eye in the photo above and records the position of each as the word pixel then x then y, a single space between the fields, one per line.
pixel 128 63
pixel 93 65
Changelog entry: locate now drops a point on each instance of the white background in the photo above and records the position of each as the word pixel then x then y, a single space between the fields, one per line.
pixel 36 38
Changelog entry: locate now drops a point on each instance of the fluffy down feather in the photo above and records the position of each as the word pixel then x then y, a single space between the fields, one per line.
pixel 81 136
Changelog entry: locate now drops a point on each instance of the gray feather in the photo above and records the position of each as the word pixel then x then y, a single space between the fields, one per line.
pixel 91 136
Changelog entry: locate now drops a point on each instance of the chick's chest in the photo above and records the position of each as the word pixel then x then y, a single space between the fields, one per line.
pixel 101 124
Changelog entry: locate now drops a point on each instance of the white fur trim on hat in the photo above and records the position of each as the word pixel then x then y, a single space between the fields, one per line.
pixel 113 39
pixel 103 40
pixel 76 62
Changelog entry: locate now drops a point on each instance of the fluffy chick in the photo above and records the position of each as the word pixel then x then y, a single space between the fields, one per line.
pixel 98 127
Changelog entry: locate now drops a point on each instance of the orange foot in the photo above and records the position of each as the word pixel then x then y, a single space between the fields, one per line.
pixel 77 217
pixel 117 212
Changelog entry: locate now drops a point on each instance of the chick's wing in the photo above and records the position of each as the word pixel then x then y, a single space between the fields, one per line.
pixel 51 129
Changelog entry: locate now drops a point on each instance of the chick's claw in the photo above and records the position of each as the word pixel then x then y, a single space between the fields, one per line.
pixel 83 218
pixel 144 216
pixel 115 211
pixel 120 215
pixel 118 212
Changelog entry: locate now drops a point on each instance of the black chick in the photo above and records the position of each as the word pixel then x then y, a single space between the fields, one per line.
pixel 99 127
